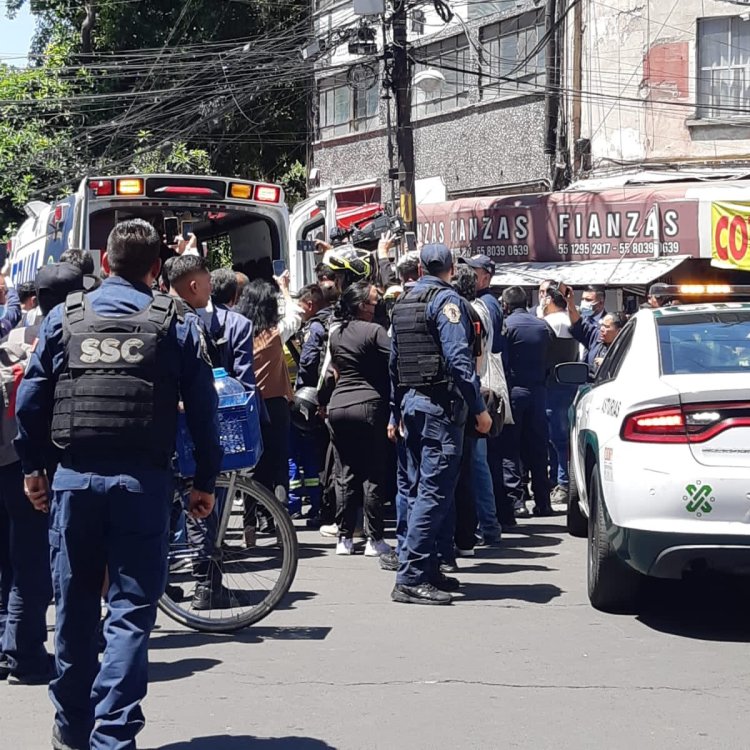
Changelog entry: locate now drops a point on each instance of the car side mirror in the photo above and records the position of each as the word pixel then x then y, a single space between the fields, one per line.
pixel 572 373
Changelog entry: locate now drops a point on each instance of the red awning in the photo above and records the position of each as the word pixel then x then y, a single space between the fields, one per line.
pixel 348 217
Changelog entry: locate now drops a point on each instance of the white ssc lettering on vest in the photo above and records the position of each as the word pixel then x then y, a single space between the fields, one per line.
pixel 110 351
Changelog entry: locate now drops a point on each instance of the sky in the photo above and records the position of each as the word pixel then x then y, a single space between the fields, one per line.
pixel 15 36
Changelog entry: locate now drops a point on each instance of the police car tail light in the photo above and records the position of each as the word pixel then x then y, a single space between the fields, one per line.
pixel 655 426
pixel 692 423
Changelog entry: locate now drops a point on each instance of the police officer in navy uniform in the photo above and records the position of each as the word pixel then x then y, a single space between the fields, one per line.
pixel 107 376
pixel 435 391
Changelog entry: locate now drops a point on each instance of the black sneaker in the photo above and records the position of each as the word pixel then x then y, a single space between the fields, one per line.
pixel 422 593
pixel 58 743
pixel 543 511
pixel 211 597
pixel 389 561
pixel 522 512
pixel 175 593
pixel 4 667
pixel 446 583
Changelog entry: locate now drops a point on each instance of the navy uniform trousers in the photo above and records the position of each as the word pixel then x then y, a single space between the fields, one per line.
pixel 117 522
pixel 25 574
pixel 434 443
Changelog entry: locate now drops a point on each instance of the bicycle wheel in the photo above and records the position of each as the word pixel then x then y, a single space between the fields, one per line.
pixel 250 581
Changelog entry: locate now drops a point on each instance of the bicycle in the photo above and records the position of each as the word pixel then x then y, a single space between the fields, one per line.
pixel 226 562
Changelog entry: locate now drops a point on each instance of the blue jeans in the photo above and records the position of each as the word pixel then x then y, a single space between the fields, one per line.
pixel 434 443
pixel 559 399
pixel 484 496
pixel 26 626
pixel 118 523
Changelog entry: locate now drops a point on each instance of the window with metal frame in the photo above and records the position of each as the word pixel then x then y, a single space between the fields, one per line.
pixel 459 72
pixel 343 110
pixel 514 49
pixel 479 9
pixel 723 46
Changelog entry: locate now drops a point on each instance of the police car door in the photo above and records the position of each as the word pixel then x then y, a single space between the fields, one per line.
pixel 600 410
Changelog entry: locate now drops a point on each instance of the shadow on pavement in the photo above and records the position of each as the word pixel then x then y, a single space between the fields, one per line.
pixel 510 553
pixel 492 567
pixel 535 593
pixel 707 607
pixel 179 670
pixel 190 639
pixel 530 540
pixel 309 551
pixel 225 742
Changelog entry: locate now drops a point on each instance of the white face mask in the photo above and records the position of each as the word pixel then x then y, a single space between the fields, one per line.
pixel 587 308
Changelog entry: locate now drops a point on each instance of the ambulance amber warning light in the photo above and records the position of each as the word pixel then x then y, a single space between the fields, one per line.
pixel 130 187
pixel 243 192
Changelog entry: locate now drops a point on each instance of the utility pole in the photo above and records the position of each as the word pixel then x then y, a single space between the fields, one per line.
pixel 402 78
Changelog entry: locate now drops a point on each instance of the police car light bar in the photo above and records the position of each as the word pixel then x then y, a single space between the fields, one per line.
pixel 699 290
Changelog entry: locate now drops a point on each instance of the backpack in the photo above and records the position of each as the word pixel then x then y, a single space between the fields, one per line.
pixel 13 361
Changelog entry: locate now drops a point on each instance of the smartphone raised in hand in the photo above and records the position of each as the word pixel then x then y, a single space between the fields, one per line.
pixel 279 266
pixel 170 229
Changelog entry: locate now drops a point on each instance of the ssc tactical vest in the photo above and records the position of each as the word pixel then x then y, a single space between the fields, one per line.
pixel 112 399
pixel 420 357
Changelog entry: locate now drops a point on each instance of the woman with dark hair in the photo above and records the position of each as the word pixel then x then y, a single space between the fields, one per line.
pixel 358 416
pixel 259 303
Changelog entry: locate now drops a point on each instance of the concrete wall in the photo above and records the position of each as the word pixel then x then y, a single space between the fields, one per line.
pixel 469 149
pixel 644 53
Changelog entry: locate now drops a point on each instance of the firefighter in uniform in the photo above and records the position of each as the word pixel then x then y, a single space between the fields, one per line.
pixel 107 375
pixel 435 390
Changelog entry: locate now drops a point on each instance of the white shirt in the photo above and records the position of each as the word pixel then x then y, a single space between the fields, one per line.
pixel 559 322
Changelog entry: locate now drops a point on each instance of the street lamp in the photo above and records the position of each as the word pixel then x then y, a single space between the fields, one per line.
pixel 429 81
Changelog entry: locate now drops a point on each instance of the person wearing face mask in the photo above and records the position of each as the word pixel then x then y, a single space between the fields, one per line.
pixel 595 338
pixel 542 301
pixel 358 416
pixel 592 304
pixel 563 348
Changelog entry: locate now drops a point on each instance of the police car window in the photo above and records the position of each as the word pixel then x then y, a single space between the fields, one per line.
pixel 610 367
pixel 703 342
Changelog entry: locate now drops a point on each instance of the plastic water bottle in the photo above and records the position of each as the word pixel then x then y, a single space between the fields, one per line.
pixel 231 393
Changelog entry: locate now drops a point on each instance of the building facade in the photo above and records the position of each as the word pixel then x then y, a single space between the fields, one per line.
pixel 474 131
pixel 662 84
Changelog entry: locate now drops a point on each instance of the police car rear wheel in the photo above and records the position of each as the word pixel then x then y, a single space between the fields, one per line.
pixel 578 524
pixel 244 586
pixel 612 585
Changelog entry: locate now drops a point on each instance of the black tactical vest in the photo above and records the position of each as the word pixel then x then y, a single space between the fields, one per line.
pixel 420 358
pixel 113 400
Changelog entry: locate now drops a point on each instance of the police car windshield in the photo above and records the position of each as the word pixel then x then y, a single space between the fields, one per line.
pixel 710 342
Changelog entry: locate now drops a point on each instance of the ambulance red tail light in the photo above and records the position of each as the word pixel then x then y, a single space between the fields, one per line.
pixel 102 188
pixel 693 423
pixel 267 194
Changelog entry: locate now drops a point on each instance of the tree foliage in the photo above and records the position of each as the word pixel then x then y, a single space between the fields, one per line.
pixel 159 85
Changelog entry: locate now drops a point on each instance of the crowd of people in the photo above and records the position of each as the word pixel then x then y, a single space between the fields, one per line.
pixel 412 384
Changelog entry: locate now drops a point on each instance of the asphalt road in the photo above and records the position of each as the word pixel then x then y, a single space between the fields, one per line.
pixel 520 660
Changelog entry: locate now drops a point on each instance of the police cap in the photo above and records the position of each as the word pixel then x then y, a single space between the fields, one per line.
pixel 436 258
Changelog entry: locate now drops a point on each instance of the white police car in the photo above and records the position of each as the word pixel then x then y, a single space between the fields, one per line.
pixel 660 448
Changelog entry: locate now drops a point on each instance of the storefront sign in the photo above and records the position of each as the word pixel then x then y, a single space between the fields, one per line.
pixel 634 223
pixel 730 235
